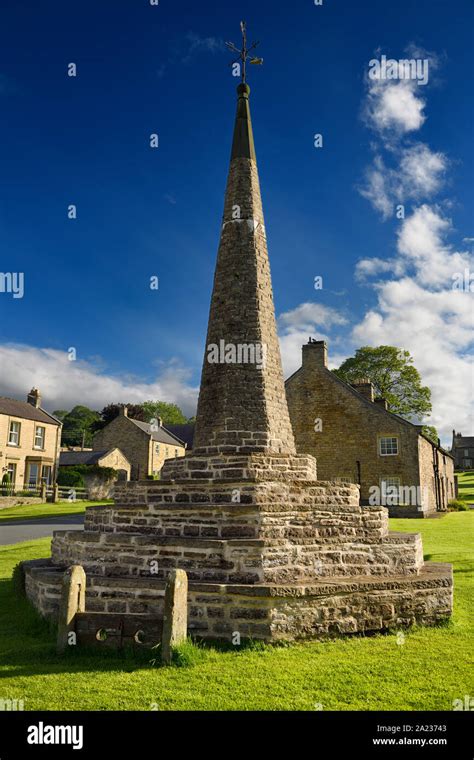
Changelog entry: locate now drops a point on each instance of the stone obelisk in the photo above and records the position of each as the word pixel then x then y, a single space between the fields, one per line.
pixel 270 551
pixel 242 404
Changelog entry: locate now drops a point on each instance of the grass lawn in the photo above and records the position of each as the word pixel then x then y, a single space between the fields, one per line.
pixel 62 508
pixel 466 485
pixel 431 669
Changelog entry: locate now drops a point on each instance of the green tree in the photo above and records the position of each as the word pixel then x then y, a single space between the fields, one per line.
pixel 61 414
pixel 78 426
pixel 109 412
pixel 431 433
pixel 394 377
pixel 171 414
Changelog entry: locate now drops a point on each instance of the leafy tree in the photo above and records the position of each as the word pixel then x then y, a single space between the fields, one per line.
pixel 78 426
pixel 171 414
pixel 60 414
pixel 109 412
pixel 394 377
pixel 431 433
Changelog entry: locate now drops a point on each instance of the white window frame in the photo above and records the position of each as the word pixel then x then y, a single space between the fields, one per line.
pixel 47 481
pixel 43 438
pixel 388 453
pixel 34 484
pixel 11 432
pixel 14 468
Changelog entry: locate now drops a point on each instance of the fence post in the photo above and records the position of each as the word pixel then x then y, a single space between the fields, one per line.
pixel 73 599
pixel 43 492
pixel 175 620
pixel 55 493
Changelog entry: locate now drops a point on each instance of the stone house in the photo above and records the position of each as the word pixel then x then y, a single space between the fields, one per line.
pixel 355 438
pixel 102 458
pixel 145 446
pixel 30 440
pixel 463 451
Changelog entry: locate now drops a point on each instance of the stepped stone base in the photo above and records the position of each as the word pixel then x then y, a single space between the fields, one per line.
pixel 270 553
pixel 268 612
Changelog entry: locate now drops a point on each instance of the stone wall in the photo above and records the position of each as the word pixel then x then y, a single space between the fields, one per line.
pixel 347 446
pixel 133 442
pixel 319 609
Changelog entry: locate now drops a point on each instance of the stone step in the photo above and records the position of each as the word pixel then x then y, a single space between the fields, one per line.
pixel 327 606
pixel 236 560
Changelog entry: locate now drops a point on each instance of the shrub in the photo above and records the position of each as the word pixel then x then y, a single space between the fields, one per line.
pixel 456 505
pixel 7 487
pixel 69 476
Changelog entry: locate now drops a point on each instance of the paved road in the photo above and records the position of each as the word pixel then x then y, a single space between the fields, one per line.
pixel 26 530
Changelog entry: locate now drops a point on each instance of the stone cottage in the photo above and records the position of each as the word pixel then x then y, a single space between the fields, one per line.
pixel 146 446
pixel 29 442
pixel 356 439
pixel 463 451
pixel 102 458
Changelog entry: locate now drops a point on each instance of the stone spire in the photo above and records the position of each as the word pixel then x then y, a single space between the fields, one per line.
pixel 242 403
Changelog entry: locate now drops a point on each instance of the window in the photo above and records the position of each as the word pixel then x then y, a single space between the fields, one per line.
pixel 11 470
pixel 466 452
pixel 157 448
pixel 33 472
pixel 46 474
pixel 176 452
pixel 390 491
pixel 14 434
pixel 39 437
pixel 388 446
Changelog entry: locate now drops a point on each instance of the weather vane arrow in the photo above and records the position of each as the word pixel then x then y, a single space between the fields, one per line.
pixel 244 52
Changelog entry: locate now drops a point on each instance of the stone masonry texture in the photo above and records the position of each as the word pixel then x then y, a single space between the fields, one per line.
pixel 271 550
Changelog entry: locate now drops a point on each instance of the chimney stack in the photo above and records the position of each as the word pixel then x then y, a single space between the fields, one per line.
pixel 365 388
pixel 34 398
pixel 381 402
pixel 315 353
pixel 123 411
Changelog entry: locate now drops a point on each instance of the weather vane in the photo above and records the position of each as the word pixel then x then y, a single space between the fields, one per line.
pixel 243 54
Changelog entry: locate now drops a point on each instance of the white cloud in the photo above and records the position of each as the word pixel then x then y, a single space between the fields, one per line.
pixel 437 329
pixel 421 242
pixel 394 106
pixel 64 383
pixel 419 174
pixel 297 325
pixel 370 267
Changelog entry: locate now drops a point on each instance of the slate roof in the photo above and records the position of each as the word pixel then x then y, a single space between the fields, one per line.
pixel 26 411
pixel 70 458
pixel 162 435
pixel 184 431
pixel 464 440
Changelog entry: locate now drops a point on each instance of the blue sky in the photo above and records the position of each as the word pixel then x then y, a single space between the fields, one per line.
pixel 142 212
